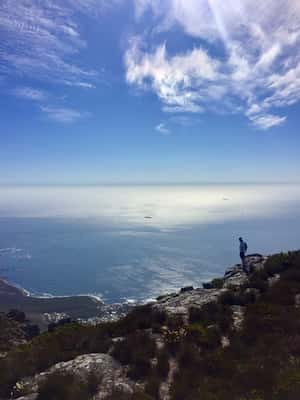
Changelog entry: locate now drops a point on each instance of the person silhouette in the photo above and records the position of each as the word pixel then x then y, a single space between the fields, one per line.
pixel 243 250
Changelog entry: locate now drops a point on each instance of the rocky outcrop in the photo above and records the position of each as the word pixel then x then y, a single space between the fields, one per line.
pixel 111 375
pixel 179 303
pixel 234 277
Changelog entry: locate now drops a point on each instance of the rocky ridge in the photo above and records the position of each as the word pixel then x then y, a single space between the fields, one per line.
pixel 234 277
pixel 113 374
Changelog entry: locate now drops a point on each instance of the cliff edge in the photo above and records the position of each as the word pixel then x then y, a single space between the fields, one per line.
pixel 237 338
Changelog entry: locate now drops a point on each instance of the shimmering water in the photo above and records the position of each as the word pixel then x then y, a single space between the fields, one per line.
pixel 136 242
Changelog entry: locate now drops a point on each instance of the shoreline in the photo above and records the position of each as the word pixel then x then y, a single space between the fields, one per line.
pixel 26 293
pixel 44 310
pixel 98 298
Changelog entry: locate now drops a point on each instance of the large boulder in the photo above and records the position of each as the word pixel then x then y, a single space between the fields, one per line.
pixel 236 277
pixel 113 375
pixel 179 303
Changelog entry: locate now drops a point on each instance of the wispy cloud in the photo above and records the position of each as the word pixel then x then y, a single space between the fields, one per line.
pixel 163 129
pixel 64 115
pixel 37 40
pixel 259 70
pixel 266 121
pixel 30 93
pixel 40 42
pixel 185 121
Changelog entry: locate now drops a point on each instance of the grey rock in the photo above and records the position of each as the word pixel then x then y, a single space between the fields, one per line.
pixel 238 317
pixel 234 277
pixel 112 374
pixel 180 303
pixel 256 262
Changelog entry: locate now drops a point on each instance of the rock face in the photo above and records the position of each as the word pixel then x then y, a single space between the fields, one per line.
pixel 256 262
pixel 179 303
pixel 236 277
pixel 113 375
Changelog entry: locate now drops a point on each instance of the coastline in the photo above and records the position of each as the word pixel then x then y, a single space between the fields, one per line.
pixel 43 310
pixel 14 288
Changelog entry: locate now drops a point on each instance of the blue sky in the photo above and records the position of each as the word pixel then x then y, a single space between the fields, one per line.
pixel 149 91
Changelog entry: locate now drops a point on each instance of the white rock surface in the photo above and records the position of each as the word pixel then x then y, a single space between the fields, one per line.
pixel 112 373
pixel 179 303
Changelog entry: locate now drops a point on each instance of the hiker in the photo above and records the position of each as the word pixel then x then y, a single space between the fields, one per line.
pixel 243 250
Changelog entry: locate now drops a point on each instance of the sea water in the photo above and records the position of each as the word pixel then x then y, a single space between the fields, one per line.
pixel 133 243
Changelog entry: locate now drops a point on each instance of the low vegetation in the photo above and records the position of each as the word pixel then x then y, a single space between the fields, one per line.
pixel 261 360
pixel 136 350
pixel 68 387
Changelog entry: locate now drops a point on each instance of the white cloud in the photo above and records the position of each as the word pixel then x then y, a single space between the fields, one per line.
pixel 266 121
pixel 259 72
pixel 64 115
pixel 37 40
pixel 162 128
pixel 30 93
pixel 172 78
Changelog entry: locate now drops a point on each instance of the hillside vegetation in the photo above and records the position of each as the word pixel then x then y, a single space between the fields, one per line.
pixel 214 358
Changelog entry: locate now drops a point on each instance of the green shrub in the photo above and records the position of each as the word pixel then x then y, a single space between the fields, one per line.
pixel 277 263
pixel 121 395
pixel 292 275
pixel 288 385
pixel 228 298
pixel 282 293
pixel 141 317
pixel 207 338
pixel 163 366
pixel 174 322
pixel 258 280
pixel 152 386
pixel 214 313
pixel 216 283
pixel 188 355
pixel 238 298
pixel 136 350
pixel 48 349
pixel 93 382
pixel 63 387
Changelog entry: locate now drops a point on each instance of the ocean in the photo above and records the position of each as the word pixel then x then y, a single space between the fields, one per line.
pixel 133 243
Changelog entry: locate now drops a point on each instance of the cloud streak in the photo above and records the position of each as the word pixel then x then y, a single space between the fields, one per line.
pixel 258 72
pixel 30 93
pixel 38 40
pixel 163 129
pixel 64 115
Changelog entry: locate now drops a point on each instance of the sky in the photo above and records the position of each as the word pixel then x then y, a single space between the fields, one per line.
pixel 149 91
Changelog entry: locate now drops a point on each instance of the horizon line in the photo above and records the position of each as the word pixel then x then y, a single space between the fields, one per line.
pixel 147 183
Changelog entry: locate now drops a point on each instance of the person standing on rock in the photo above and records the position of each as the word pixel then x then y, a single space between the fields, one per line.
pixel 243 250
